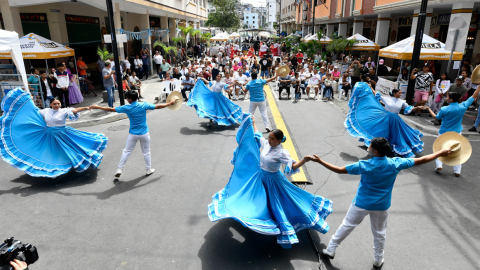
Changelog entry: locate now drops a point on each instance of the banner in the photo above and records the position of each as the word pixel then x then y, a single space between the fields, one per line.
pixel 385 87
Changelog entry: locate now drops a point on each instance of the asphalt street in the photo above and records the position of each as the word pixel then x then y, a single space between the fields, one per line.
pixel 89 221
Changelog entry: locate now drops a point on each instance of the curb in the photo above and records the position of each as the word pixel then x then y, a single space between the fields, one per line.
pixel 434 131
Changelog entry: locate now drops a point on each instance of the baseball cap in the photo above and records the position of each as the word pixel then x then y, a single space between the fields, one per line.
pixel 108 62
pixel 380 62
pixel 461 78
pixel 335 67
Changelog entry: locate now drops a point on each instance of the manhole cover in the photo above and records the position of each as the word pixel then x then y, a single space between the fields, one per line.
pixel 117 128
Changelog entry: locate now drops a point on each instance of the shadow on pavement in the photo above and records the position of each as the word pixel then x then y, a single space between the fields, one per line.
pixel 215 129
pixel 229 245
pixel 119 187
pixel 44 184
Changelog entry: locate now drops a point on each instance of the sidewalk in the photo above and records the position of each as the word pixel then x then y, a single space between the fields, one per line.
pixel 150 90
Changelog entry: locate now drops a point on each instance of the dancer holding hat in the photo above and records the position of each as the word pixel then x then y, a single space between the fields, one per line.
pixel 137 114
pixel 451 117
pixel 374 193
pixel 212 104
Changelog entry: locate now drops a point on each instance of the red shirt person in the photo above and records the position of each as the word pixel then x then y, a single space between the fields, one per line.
pixel 299 56
pixel 82 67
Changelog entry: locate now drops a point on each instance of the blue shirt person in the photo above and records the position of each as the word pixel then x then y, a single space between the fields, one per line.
pixel 257 97
pixel 374 193
pixel 452 116
pixel 137 114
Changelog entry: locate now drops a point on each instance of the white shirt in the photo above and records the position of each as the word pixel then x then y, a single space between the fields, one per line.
pixel 263 48
pixel 314 80
pixel 303 75
pixel 138 63
pixel 132 80
pixel 58 118
pixel 217 86
pixel 394 105
pixel 442 86
pixel 49 91
pixel 241 78
pixel 158 59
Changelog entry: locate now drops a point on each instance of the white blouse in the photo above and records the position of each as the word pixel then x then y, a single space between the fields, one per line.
pixel 58 118
pixel 393 104
pixel 271 158
pixel 217 86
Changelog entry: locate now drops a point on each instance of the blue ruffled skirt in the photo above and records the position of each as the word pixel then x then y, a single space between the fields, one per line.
pixel 266 202
pixel 214 105
pixel 368 119
pixel 40 151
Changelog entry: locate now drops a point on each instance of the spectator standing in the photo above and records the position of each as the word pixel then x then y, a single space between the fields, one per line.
pixel 82 72
pixel 145 64
pixel 100 66
pixel 138 64
pixel 356 66
pixel 109 82
pixel 47 83
pixel 71 65
pixel 423 83
pixel 299 56
pixel 382 70
pixel 62 84
pixel 34 79
pixel 441 88
pixel 265 63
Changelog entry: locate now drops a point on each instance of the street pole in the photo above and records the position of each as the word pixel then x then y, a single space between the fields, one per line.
pixel 416 49
pixel 118 75
pixel 313 17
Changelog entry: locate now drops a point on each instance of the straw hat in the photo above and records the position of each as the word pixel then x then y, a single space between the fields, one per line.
pixel 476 75
pixel 177 96
pixel 283 71
pixel 461 148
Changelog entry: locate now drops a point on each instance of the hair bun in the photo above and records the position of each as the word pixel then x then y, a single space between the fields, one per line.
pixel 284 138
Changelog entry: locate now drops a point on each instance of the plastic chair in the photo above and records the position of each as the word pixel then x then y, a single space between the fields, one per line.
pixel 178 85
pixel 166 88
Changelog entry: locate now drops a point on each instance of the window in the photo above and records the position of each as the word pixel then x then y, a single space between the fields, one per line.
pixel 253 17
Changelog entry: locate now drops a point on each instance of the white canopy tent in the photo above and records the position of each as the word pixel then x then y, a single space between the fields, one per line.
pixel 264 34
pixel 10 49
pixel 323 40
pixel 363 44
pixel 220 37
pixel 432 49
pixel 234 35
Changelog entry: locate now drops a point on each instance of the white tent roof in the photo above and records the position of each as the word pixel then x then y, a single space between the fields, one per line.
pixel 432 49
pixel 234 35
pixel 364 44
pixel 36 47
pixel 324 39
pixel 10 46
pixel 264 34
pixel 220 37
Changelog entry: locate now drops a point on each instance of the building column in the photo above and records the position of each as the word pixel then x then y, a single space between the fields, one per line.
pixel 172 30
pixel 461 10
pixel 118 25
pixel 58 27
pixel 381 34
pixel 145 24
pixel 317 28
pixel 358 26
pixel 428 21
pixel 11 18
pixel 342 29
pixel 164 25
pixel 330 28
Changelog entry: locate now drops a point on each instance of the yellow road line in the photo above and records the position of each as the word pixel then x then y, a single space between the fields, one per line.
pixel 288 145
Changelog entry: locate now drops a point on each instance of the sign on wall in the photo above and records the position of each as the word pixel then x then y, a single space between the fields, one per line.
pixel 405 21
pixel 33 17
pixel 81 19
pixel 444 18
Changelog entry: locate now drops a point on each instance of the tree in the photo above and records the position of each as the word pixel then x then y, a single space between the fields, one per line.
pixel 225 16
pixel 166 48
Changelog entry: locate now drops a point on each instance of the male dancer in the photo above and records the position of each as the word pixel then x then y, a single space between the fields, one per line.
pixel 257 97
pixel 374 194
pixel 137 114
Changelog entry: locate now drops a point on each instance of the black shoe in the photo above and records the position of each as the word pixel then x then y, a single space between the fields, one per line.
pixel 473 129
pixel 268 130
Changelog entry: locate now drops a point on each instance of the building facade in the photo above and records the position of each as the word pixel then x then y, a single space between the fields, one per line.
pixel 81 24
pixel 389 21
pixel 288 11
pixel 272 8
pixel 251 19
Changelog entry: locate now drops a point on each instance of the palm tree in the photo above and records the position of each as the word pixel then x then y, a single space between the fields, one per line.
pixel 194 33
pixel 186 30
pixel 176 40
pixel 104 54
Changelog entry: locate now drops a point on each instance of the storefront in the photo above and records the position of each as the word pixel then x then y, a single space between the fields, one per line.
pixel 36 23
pixel 84 36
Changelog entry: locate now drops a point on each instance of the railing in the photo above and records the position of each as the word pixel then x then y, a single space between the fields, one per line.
pixel 8 84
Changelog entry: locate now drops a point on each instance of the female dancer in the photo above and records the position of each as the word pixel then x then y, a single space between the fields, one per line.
pixel 368 119
pixel 394 104
pixel 258 194
pixel 39 143
pixel 75 95
pixel 441 89
pixel 212 104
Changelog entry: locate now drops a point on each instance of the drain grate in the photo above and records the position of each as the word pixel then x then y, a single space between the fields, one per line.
pixel 119 127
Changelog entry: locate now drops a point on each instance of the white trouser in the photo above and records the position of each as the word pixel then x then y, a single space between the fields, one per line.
pixel 456 169
pixel 131 142
pixel 355 215
pixel 263 111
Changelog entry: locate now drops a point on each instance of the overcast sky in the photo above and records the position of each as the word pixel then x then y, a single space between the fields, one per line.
pixel 255 3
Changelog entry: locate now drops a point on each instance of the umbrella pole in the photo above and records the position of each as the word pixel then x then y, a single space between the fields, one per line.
pixel 376 68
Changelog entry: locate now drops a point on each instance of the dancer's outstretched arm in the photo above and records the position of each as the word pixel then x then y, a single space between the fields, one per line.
pixel 108 109
pixel 77 110
pixel 161 106
pixel 271 79
pixel 428 158
pixel 331 167
pixel 255 129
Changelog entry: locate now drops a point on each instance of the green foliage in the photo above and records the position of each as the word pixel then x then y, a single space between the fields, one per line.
pixel 104 54
pixel 340 44
pixel 225 16
pixel 245 26
pixel 166 48
pixel 186 29
pixel 176 40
